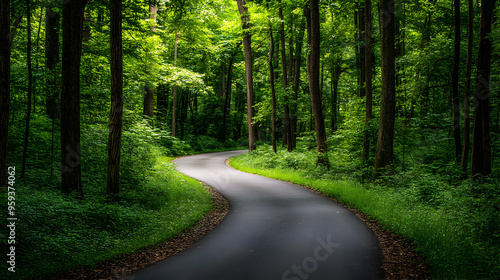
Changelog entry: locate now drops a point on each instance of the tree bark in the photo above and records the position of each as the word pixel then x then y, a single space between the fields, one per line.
pixel 273 91
pixel 468 74
pixel 287 128
pixel 385 143
pixel 296 77
pixel 73 11
pixel 313 75
pixel 30 90
pixel 368 78
pixel 149 101
pixel 481 150
pixel 174 103
pixel 115 119
pixel 5 43
pixel 360 48
pixel 52 106
pixel 247 48
pixel 454 84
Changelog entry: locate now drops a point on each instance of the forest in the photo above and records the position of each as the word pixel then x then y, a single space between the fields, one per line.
pixel 396 101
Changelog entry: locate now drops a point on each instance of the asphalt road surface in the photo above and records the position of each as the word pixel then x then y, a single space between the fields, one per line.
pixel 274 230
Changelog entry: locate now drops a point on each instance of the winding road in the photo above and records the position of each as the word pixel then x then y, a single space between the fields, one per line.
pixel 274 230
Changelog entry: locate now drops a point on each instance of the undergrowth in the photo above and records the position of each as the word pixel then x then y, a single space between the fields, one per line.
pixel 57 232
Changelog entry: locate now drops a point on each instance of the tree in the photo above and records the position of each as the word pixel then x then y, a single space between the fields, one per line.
pixel 385 142
pixel 52 60
pixel 481 150
pixel 73 11
pixel 174 102
pixel 5 43
pixel 287 127
pixel 368 77
pixel 271 82
pixel 115 119
pixel 468 73
pixel 454 83
pixel 313 66
pixel 149 101
pixel 30 90
pixel 247 49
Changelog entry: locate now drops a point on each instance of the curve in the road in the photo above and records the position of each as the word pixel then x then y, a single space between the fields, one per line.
pixel 274 230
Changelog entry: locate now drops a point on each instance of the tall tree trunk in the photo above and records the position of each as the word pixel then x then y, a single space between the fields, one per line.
pixel 30 90
pixel 313 75
pixel 385 143
pixel 247 48
pixel 174 103
pixel 454 84
pixel 296 77
pixel 51 61
pixel 115 119
pixel 153 11
pixel 468 74
pixel 5 43
pixel 71 172
pixel 481 150
pixel 360 48
pixel 273 91
pixel 368 78
pixel 227 98
pixel 287 131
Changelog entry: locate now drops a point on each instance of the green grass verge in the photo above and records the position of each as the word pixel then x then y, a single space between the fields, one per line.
pixel 56 232
pixel 444 236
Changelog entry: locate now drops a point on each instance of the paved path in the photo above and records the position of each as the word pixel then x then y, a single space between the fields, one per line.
pixel 274 230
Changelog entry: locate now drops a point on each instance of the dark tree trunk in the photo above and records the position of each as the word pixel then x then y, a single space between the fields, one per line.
pixel 149 101
pixel 227 98
pixel 51 61
pixel 247 48
pixel 385 143
pixel 174 103
pixel 287 131
pixel 30 90
pixel 73 11
pixel 296 77
pixel 334 88
pixel 468 74
pixel 273 91
pixel 314 90
pixel 454 84
pixel 115 119
pixel 5 43
pixel 481 150
pixel 360 48
pixel 368 78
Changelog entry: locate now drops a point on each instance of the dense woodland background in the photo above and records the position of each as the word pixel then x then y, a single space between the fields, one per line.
pixel 398 95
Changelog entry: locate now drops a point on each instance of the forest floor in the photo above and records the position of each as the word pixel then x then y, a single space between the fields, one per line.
pixel 400 261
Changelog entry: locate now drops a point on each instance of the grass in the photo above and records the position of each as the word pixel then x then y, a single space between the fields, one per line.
pixel 58 233
pixel 458 235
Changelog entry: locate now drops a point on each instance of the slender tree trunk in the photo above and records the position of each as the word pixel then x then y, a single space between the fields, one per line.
pixel 115 119
pixel 468 74
pixel 73 11
pixel 287 131
pixel 454 85
pixel 5 43
pixel 385 143
pixel 51 61
pixel 368 78
pixel 174 103
pixel 296 77
pixel 153 10
pixel 360 47
pixel 273 91
pixel 247 47
pixel 227 97
pixel 481 150
pixel 30 90
pixel 314 90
